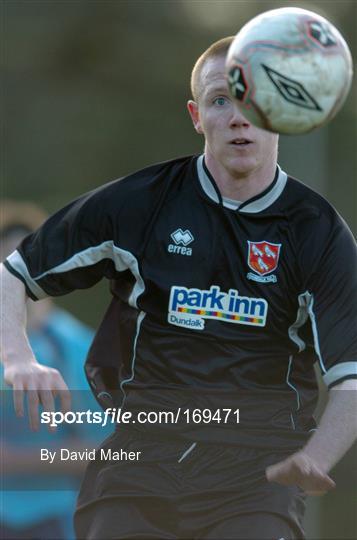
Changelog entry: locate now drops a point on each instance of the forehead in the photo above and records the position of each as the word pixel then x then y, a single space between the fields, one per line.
pixel 213 75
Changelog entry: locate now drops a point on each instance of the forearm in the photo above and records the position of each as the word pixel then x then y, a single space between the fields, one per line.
pixel 337 429
pixel 308 468
pixel 21 370
pixel 15 347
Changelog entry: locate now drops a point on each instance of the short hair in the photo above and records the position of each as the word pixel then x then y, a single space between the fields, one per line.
pixel 217 49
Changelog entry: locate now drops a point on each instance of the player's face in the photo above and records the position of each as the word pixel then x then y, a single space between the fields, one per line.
pixel 230 140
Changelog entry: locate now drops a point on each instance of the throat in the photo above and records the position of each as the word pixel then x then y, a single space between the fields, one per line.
pixel 241 187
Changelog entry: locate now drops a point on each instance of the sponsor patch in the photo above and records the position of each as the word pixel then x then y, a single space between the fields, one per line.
pixel 190 307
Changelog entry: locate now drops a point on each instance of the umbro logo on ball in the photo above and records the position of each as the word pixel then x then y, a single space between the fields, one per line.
pixel 291 90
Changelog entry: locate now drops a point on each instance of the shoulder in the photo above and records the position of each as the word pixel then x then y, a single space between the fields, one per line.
pixel 319 233
pixel 147 179
pixel 303 198
pixel 309 212
pixel 123 198
pixel 136 192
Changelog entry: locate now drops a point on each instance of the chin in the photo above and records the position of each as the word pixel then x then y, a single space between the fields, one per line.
pixel 241 167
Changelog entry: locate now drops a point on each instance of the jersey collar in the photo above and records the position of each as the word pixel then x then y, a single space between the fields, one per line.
pixel 252 206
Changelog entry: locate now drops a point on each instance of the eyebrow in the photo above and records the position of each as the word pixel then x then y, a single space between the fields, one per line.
pixel 217 90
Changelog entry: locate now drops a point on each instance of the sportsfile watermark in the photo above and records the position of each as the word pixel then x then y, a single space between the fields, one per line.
pixel 120 416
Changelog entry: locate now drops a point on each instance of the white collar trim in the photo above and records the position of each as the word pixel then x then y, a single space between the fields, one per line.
pixel 258 205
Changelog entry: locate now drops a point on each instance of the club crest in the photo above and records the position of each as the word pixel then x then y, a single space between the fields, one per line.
pixel 263 259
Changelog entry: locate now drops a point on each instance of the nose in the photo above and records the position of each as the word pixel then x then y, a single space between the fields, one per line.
pixel 237 119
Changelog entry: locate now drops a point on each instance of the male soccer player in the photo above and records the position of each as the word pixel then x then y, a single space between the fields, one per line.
pixel 230 280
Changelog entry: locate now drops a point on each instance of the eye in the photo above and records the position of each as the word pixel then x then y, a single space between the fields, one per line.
pixel 220 101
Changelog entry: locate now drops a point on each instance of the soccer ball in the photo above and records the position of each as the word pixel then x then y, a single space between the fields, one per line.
pixel 289 70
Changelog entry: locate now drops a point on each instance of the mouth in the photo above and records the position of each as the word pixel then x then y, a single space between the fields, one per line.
pixel 241 142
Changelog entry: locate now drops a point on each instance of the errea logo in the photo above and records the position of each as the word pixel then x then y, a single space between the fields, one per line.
pixel 182 239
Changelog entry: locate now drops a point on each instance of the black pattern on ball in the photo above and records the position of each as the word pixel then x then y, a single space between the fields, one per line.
pixel 322 34
pixel 237 82
pixel 291 90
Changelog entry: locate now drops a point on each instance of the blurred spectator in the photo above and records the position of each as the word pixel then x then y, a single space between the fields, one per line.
pixel 28 509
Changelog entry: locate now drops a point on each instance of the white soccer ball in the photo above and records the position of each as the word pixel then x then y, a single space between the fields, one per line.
pixel 290 70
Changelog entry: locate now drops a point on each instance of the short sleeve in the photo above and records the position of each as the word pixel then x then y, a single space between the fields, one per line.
pixel 73 249
pixel 331 284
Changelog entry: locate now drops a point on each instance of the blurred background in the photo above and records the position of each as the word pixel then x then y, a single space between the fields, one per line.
pixel 93 90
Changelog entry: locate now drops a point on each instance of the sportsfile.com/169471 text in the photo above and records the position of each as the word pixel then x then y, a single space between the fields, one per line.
pixel 119 416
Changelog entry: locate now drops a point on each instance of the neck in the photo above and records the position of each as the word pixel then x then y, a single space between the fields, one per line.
pixel 241 186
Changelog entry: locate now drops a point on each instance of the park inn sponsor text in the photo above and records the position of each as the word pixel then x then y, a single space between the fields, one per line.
pixel 190 307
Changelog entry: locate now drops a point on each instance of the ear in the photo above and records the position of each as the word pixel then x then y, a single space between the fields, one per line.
pixel 195 116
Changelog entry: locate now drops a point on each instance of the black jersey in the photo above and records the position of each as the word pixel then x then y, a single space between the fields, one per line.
pixel 208 295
